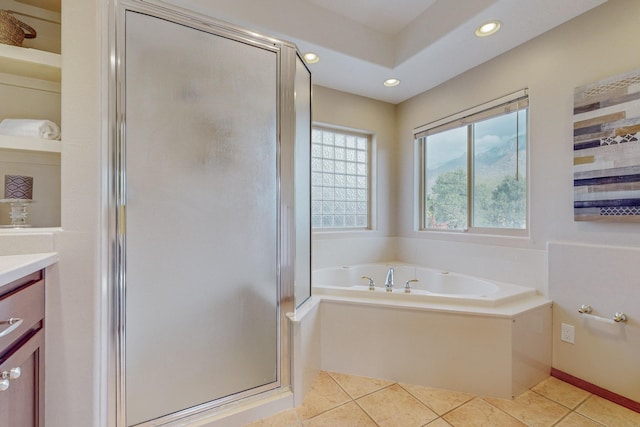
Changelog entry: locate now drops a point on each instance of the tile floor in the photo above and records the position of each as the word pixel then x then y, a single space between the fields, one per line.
pixel 337 400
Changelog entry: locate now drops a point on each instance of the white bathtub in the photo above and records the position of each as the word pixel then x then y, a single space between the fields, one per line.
pixel 427 285
pixel 451 331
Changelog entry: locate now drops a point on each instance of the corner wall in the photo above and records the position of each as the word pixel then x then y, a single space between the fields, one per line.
pixel 74 368
pixel 606 278
pixel 592 46
pixel 595 45
pixel 356 112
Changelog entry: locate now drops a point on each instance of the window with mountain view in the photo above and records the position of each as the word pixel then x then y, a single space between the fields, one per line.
pixel 473 169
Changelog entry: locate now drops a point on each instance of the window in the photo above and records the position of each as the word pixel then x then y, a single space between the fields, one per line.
pixel 340 171
pixel 473 168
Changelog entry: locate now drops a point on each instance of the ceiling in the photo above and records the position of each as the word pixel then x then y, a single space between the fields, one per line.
pixel 423 43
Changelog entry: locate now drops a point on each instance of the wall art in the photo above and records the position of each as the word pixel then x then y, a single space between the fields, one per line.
pixel 606 149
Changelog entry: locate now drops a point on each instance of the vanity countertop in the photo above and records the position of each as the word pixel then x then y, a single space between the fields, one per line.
pixel 13 267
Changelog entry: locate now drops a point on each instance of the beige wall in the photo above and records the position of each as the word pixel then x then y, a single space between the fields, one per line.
pixel 74 316
pixel 356 112
pixel 604 353
pixel 593 46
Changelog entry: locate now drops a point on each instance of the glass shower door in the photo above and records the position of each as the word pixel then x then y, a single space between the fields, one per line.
pixel 201 188
pixel 302 178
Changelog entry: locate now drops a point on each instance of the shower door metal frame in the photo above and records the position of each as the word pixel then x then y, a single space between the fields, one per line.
pixel 116 187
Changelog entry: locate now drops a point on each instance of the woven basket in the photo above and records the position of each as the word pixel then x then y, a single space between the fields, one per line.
pixel 14 31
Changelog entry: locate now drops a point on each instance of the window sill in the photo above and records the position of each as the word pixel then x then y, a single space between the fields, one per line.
pixel 341 233
pixel 521 239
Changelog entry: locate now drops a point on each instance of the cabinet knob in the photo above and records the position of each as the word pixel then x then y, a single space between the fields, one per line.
pixel 12 374
pixel 4 384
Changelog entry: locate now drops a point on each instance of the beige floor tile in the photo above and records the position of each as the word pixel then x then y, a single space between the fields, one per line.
pixel 349 415
pixel 325 394
pixel 561 392
pixel 608 413
pixel 478 413
pixel 439 400
pixel 382 403
pixel 439 423
pixel 283 419
pixel 577 420
pixel 357 386
pixel 532 409
pixel 394 406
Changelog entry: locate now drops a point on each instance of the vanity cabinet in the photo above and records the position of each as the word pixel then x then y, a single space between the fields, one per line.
pixel 22 352
pixel 30 88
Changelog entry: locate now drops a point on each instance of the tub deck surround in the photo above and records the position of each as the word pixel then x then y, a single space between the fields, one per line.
pixel 508 310
pixel 305 346
pixel 471 352
pixel 13 267
pixel 455 342
pixel 435 290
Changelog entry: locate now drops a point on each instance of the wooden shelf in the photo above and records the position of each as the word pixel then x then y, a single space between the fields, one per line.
pixel 33 63
pixel 21 143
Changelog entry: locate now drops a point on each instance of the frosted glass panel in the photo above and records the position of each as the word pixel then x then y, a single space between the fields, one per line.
pixel 302 182
pixel 201 208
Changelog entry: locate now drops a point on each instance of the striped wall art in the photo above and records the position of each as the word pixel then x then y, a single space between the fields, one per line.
pixel 606 149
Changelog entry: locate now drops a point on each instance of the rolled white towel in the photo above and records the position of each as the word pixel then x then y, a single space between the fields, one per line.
pixel 44 129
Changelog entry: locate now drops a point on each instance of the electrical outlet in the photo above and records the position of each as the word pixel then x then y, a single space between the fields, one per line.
pixel 567 333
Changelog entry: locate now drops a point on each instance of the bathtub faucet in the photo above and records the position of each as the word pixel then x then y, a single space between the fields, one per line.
pixel 372 285
pixel 388 281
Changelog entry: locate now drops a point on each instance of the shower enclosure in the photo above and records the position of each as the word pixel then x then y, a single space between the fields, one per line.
pixel 210 241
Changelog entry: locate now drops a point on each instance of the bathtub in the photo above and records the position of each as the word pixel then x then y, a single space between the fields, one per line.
pixel 425 285
pixel 450 331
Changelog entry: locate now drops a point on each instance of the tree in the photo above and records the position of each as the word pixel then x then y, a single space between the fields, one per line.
pixel 482 198
pixel 509 203
pixel 447 201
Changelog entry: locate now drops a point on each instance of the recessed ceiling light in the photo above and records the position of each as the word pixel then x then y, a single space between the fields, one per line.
pixel 311 57
pixel 488 28
pixel 391 82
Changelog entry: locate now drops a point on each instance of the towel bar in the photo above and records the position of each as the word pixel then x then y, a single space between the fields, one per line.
pixel 586 310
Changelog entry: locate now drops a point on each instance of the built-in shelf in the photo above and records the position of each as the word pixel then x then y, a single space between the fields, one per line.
pixel 33 63
pixel 30 144
pixel 30 88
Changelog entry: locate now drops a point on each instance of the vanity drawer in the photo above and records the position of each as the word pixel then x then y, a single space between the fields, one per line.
pixel 26 304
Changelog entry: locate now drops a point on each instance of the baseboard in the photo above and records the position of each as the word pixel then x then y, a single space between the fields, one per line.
pixel 594 389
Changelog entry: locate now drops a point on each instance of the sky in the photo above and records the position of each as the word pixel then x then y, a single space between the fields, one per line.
pixel 452 144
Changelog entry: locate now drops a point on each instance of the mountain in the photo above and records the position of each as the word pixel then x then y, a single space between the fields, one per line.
pixel 490 166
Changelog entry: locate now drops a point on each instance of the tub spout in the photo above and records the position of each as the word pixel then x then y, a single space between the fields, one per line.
pixel 388 281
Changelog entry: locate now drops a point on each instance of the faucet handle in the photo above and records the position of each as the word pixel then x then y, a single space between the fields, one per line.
pixel 372 285
pixel 407 285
